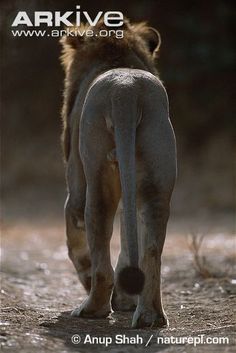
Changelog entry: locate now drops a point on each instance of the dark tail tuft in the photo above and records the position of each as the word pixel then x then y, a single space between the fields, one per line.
pixel 131 279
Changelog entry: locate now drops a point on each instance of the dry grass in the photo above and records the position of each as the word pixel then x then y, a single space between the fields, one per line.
pixel 203 267
pixel 195 245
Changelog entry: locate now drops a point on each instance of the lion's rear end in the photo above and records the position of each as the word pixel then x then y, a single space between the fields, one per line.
pixel 119 143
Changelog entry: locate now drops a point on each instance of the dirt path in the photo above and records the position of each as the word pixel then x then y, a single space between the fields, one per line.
pixel 40 288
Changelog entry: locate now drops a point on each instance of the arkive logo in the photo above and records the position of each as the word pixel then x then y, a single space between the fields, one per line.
pixel 57 18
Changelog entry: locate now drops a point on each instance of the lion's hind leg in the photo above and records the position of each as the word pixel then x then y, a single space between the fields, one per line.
pixel 157 173
pixel 101 204
pixel 120 300
pixel 75 226
pixel 77 245
pixel 154 215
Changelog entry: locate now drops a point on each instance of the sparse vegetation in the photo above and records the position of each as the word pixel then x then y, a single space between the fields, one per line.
pixel 202 266
pixel 195 246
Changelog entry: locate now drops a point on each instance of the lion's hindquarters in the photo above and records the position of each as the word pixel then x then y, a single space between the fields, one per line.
pixel 156 145
pixel 152 137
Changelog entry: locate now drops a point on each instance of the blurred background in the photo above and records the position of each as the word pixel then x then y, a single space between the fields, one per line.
pixel 196 65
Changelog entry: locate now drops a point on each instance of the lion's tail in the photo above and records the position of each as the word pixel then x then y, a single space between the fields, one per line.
pixel 131 278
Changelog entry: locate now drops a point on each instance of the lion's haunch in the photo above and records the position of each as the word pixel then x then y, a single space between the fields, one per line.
pixel 131 280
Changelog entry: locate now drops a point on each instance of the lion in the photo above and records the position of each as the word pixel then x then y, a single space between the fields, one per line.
pixel 119 144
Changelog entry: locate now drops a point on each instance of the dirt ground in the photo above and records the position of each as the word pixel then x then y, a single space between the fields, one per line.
pixel 40 288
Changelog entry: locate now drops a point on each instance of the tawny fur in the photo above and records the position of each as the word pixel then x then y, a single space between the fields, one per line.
pixel 80 52
pixel 119 145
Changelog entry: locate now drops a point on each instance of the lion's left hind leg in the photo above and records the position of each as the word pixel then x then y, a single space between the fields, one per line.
pixel 77 244
pixel 101 205
pixel 75 227
pixel 120 300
